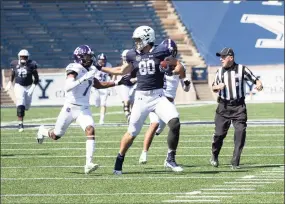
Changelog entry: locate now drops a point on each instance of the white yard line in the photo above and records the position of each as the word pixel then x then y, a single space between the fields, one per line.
pixel 203 196
pixel 242 193
pixel 75 148
pixel 191 201
pixel 254 182
pixel 99 156
pixel 124 177
pixel 86 194
pixel 267 179
pixel 227 189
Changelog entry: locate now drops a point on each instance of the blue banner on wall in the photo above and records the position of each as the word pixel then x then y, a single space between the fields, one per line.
pixel 254 29
pixel 199 74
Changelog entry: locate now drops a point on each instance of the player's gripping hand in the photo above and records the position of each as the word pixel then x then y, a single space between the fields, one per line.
pixel 31 90
pixel 164 67
pixel 187 82
pixel 87 76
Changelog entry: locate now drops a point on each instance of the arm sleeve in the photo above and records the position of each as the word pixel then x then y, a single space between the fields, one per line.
pixel 249 75
pixel 35 74
pixel 70 84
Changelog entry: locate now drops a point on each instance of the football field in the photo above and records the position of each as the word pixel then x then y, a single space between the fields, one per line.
pixel 53 171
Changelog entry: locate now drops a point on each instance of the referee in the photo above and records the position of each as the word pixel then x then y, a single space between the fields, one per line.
pixel 230 85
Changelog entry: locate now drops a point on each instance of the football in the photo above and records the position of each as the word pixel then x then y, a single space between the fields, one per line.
pixel 164 64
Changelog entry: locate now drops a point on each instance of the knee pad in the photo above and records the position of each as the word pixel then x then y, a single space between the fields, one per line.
pixel 174 124
pixel 21 111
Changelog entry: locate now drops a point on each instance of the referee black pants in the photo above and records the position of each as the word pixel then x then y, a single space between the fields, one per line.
pixel 225 114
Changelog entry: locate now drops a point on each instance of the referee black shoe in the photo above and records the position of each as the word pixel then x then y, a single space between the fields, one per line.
pixel 214 161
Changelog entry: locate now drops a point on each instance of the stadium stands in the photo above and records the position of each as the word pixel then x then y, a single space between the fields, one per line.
pixel 51 31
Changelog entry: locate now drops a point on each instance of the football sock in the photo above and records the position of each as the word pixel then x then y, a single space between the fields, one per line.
pixel 119 162
pixel 89 150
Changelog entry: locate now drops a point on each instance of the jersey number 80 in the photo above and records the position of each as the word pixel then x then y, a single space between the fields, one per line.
pixel 146 67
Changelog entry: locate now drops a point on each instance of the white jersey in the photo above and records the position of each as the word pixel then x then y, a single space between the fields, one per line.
pixel 103 76
pixel 171 84
pixel 79 95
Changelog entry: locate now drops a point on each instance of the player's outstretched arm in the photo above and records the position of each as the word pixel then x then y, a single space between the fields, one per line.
pixel 72 83
pixel 122 70
pixel 107 84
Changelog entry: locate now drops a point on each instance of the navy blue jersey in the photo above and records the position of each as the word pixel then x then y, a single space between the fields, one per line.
pixel 148 74
pixel 24 73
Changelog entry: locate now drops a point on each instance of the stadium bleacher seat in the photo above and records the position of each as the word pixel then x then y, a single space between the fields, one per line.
pixel 52 30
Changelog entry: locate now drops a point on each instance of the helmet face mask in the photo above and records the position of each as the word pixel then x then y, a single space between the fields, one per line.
pixel 83 55
pixel 23 57
pixel 143 36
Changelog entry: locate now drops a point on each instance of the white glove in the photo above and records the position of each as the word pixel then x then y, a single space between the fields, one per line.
pixel 87 76
pixel 31 90
pixel 8 86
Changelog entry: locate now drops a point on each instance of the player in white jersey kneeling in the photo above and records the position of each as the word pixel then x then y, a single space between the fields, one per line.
pixel 99 96
pixel 79 80
pixel 171 82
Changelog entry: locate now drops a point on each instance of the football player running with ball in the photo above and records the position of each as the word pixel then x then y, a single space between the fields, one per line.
pixel 171 82
pixel 79 79
pixel 149 95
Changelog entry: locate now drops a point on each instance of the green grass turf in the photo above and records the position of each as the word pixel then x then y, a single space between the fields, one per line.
pixel 53 172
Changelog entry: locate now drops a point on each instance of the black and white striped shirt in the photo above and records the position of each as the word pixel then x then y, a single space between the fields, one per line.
pixel 234 79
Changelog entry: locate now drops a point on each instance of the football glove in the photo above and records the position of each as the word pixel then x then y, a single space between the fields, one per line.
pixel 31 90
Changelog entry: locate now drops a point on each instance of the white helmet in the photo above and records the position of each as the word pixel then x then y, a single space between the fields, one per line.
pixel 123 55
pixel 146 34
pixel 23 53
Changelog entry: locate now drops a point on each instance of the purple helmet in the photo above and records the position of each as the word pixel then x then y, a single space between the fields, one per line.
pixel 83 55
pixel 171 45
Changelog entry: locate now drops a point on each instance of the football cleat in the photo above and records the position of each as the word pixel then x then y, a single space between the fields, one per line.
pixel 21 128
pixel 143 158
pixel 116 172
pixel 173 166
pixel 234 167
pixel 214 161
pixel 40 136
pixel 171 163
pixel 88 168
